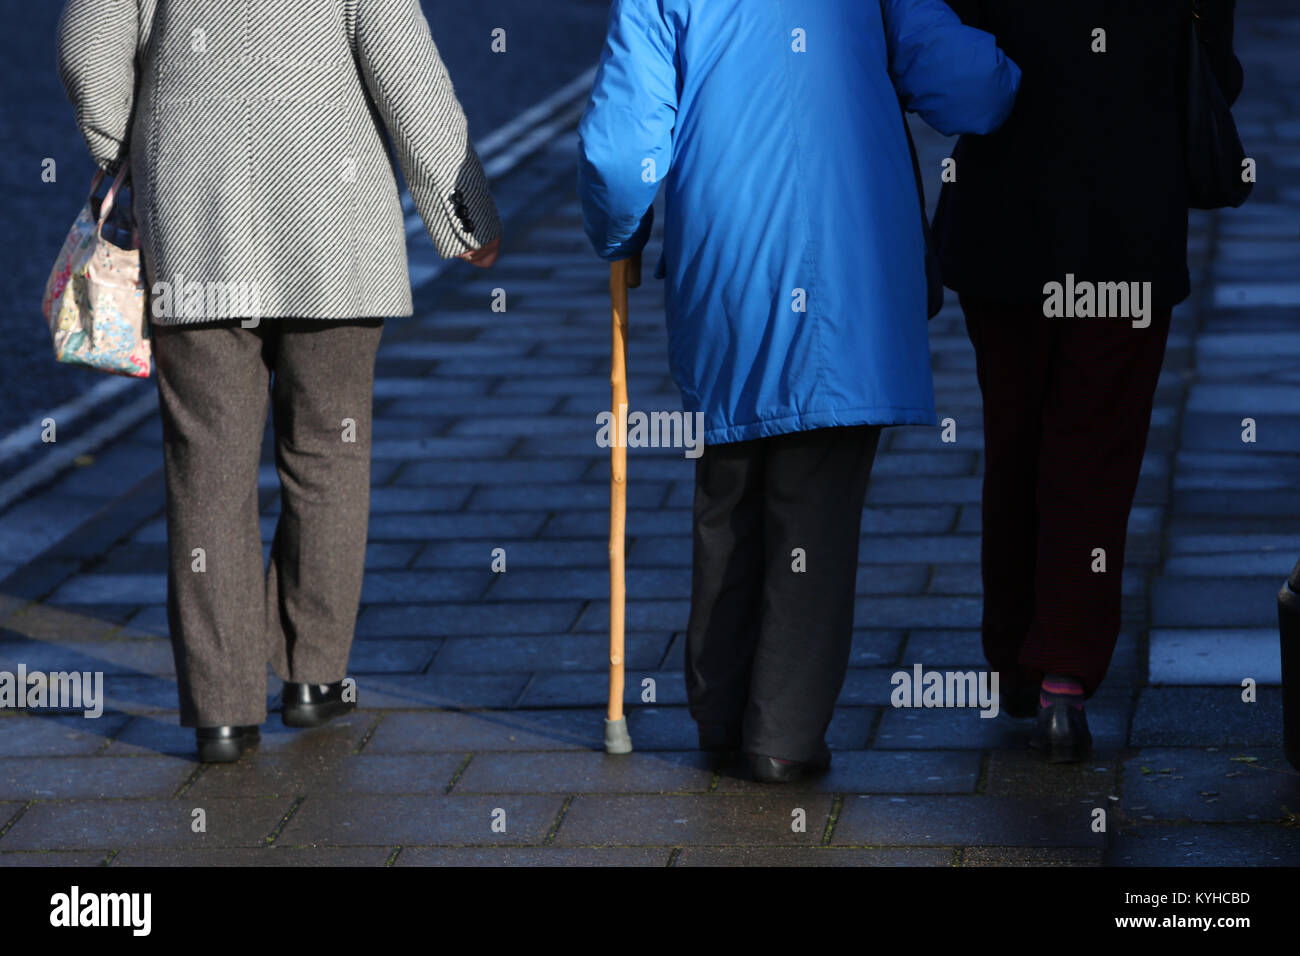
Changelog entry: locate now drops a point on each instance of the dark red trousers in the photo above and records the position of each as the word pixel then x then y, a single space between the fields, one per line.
pixel 1067 408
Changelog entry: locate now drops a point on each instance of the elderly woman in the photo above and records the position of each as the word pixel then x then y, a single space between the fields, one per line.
pixel 796 289
pixel 273 244
pixel 1083 189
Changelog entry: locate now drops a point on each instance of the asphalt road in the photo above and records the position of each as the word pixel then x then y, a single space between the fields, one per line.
pixel 547 45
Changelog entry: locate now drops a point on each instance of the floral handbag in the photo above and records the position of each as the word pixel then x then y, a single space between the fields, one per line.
pixel 94 300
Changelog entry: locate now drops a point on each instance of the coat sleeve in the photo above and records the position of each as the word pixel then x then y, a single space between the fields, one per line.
pixel 953 76
pixel 626 134
pixel 96 52
pixel 412 91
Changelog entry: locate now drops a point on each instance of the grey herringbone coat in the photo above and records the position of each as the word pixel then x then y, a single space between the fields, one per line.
pixel 256 137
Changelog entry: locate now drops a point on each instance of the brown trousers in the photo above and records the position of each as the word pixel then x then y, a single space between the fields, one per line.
pixel 230 615
pixel 1067 408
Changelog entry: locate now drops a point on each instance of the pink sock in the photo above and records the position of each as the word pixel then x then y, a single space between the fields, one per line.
pixel 1061 688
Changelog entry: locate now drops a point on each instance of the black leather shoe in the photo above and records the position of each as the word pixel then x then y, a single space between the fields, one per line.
pixel 226 744
pixel 310 705
pixel 775 770
pixel 1021 703
pixel 1062 733
pixel 718 737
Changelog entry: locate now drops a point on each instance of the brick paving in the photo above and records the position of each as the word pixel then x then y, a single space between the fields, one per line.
pixel 479 737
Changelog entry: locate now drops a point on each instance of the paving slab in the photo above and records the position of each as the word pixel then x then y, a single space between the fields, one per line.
pixel 712 820
pixel 1178 602
pixel 73 858
pixel 587 772
pixel 1211 785
pixel 272 855
pixel 874 771
pixel 451 620
pixel 547 652
pixel 111 657
pixel 1206 845
pixel 335 820
pixel 949 728
pixel 301 774
pixel 1215 657
pixel 1206 716
pixel 591 688
pixel 62 778
pixel 551 856
pixel 459 732
pixel 813 856
pixel 22 735
pixel 1023 773
pixel 161 733
pixel 964 821
pixel 110 824
pixel 1031 856
pixel 405 691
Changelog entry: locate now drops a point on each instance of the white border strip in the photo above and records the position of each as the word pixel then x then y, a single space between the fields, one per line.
pixel 501 138
pixel 525 146
pixel 64 454
pixel 26 437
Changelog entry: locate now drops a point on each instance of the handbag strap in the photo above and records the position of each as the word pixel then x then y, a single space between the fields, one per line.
pixel 106 206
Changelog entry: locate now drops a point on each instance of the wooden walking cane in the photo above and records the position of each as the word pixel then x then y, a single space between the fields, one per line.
pixel 623 275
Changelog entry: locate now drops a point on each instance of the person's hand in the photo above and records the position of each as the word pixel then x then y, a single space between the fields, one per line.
pixel 483 257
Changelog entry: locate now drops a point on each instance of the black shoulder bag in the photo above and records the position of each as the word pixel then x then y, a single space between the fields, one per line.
pixel 1215 156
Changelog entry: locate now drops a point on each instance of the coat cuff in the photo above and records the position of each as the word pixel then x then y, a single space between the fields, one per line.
pixel 459 216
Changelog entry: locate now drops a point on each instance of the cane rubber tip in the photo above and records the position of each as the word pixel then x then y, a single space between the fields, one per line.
pixel 617 739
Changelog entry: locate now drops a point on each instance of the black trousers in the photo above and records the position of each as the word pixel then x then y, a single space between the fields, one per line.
pixel 777 525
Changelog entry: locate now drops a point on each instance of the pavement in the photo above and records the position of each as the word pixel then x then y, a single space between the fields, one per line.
pixel 479 736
